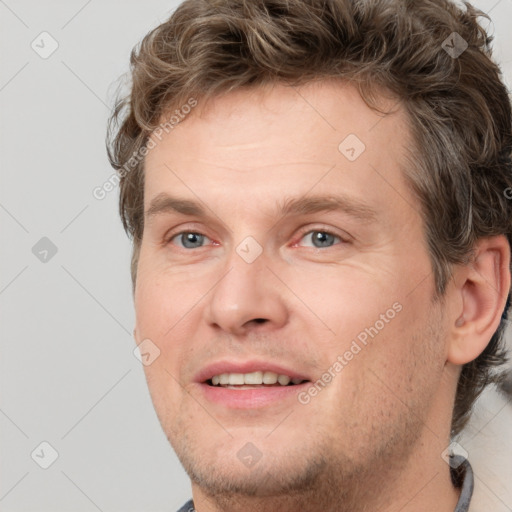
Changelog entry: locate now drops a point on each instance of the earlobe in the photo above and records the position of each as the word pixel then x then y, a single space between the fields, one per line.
pixel 484 285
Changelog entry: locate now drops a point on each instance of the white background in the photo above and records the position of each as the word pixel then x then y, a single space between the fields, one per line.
pixel 68 374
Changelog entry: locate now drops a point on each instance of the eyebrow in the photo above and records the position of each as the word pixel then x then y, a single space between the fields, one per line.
pixel 166 204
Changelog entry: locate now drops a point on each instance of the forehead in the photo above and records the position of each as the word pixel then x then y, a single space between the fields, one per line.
pixel 279 141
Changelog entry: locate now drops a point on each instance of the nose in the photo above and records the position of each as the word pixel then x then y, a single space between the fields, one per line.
pixel 248 296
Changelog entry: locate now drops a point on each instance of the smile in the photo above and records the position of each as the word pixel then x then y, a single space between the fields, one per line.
pixel 253 379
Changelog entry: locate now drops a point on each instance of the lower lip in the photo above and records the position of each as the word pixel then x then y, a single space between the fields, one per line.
pixel 251 398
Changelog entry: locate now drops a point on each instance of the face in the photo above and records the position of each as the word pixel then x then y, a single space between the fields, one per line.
pixel 276 243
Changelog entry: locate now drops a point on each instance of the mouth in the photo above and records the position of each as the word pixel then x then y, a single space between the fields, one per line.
pixel 253 380
pixel 251 385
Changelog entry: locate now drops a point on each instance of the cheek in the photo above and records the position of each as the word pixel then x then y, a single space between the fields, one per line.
pixel 352 305
pixel 165 314
pixel 405 362
pixel 156 313
pixel 384 392
pixel 390 347
pixel 162 300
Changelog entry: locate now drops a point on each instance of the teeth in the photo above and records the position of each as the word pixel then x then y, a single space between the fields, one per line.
pixel 270 378
pixel 284 380
pixel 253 378
pixel 236 379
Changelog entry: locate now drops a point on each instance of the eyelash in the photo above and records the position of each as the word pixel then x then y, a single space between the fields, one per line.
pixel 302 234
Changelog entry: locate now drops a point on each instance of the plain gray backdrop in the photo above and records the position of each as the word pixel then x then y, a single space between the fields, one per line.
pixel 69 377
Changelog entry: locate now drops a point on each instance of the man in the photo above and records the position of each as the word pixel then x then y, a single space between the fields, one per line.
pixel 316 192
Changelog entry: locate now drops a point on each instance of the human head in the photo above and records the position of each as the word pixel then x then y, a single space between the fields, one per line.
pixel 458 110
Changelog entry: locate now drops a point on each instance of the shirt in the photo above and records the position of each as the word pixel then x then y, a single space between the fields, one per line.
pixel 462 477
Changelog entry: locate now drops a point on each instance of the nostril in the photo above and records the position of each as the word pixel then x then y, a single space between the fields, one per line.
pixel 260 320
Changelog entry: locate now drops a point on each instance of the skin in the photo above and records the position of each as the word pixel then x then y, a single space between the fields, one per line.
pixel 372 439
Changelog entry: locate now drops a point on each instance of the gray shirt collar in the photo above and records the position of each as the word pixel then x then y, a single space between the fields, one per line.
pixel 462 476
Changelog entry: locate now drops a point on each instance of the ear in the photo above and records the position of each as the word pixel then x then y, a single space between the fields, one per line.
pixel 481 287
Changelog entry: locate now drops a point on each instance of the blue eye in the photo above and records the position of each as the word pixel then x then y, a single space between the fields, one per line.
pixel 320 239
pixel 189 239
pixel 317 238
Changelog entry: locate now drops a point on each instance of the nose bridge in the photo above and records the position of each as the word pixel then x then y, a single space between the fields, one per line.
pixel 247 291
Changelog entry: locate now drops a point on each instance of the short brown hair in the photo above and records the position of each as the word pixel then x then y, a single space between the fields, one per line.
pixel 458 108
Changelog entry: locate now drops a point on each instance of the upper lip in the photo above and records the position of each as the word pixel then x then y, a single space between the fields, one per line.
pixel 221 367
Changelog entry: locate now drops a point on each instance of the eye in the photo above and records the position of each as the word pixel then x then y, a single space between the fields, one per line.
pixel 321 238
pixel 189 239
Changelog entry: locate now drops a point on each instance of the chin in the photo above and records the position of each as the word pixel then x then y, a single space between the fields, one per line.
pixel 262 480
pixel 259 468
